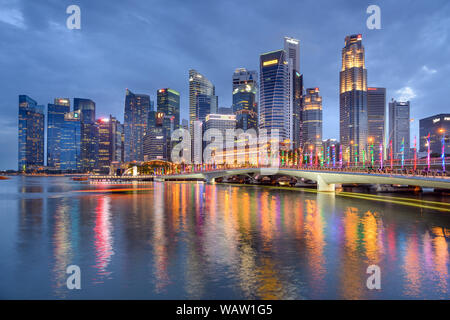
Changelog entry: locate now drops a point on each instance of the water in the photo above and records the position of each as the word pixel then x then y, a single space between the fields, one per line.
pixel 190 240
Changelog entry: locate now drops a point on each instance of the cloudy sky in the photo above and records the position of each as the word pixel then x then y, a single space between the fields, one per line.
pixel 144 45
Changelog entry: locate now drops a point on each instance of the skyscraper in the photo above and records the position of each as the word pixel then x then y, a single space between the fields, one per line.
pixel 168 102
pixel 70 151
pixel 245 92
pixel 89 133
pixel 274 99
pixel 200 85
pixel 376 118
pixel 31 134
pixel 399 127
pixel 55 121
pixel 137 108
pixel 312 118
pixel 292 49
pixel 353 99
pixel 297 109
pixel 154 141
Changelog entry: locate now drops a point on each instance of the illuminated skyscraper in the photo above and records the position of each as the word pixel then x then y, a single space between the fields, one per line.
pixel 55 121
pixel 137 108
pixel 438 127
pixel 89 133
pixel 245 92
pixel 155 140
pixel 399 130
pixel 376 114
pixel 353 99
pixel 31 134
pixel 202 101
pixel 70 150
pixel 312 118
pixel 168 102
pixel 274 111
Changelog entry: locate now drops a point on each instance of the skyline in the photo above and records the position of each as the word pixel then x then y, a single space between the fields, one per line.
pixel 319 58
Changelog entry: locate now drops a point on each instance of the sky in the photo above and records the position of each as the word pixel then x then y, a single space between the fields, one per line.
pixel 145 45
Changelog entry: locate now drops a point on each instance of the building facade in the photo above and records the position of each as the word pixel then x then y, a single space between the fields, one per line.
pixel 274 94
pixel 435 128
pixel 55 121
pixel 137 108
pixel 155 140
pixel 399 129
pixel 312 119
pixel 89 133
pixel 353 123
pixel 70 155
pixel 376 118
pixel 245 93
pixel 31 134
pixel 168 102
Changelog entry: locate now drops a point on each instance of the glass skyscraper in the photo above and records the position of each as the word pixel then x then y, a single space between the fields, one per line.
pixel 312 119
pixel 438 127
pixel 137 108
pixel 399 130
pixel 274 99
pixel 245 93
pixel 31 134
pixel 353 99
pixel 89 133
pixel 200 85
pixel 55 122
pixel 168 102
pixel 376 118
pixel 70 150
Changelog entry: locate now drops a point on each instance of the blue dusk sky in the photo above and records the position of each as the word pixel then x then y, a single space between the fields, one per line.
pixel 144 45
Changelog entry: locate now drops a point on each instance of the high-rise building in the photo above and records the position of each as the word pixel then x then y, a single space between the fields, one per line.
pixel 399 131
pixel 110 133
pixel 437 127
pixel 31 134
pixel 185 124
pixel 155 140
pixel 89 133
pixel 221 123
pixel 137 108
pixel 376 118
pixel 297 109
pixel 55 121
pixel 168 102
pixel 353 99
pixel 70 151
pixel 200 85
pixel 245 93
pixel 274 110
pixel 292 49
pixel 312 118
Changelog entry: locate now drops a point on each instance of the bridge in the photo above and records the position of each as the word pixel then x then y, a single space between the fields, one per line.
pixel 326 180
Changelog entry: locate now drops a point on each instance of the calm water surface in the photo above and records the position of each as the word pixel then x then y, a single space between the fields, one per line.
pixel 196 241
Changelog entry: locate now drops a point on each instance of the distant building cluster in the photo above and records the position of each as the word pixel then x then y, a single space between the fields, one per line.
pixel 74 140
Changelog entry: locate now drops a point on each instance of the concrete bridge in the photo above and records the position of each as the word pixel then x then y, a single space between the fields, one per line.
pixel 326 180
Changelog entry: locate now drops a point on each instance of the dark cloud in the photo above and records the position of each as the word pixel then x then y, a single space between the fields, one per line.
pixel 146 45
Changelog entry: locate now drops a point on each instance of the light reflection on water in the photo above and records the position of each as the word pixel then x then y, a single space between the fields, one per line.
pixel 198 241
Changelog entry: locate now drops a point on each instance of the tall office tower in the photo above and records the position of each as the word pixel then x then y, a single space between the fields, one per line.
pixel 292 49
pixel 31 134
pixel 89 133
pixel 109 143
pixel 220 122
pixel 168 102
pixel 353 99
pixel 376 118
pixel 55 121
pixel 399 127
pixel 438 127
pixel 245 93
pixel 312 119
pixel 200 85
pixel 137 108
pixel 70 152
pixel 155 142
pixel 274 99
pixel 297 109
